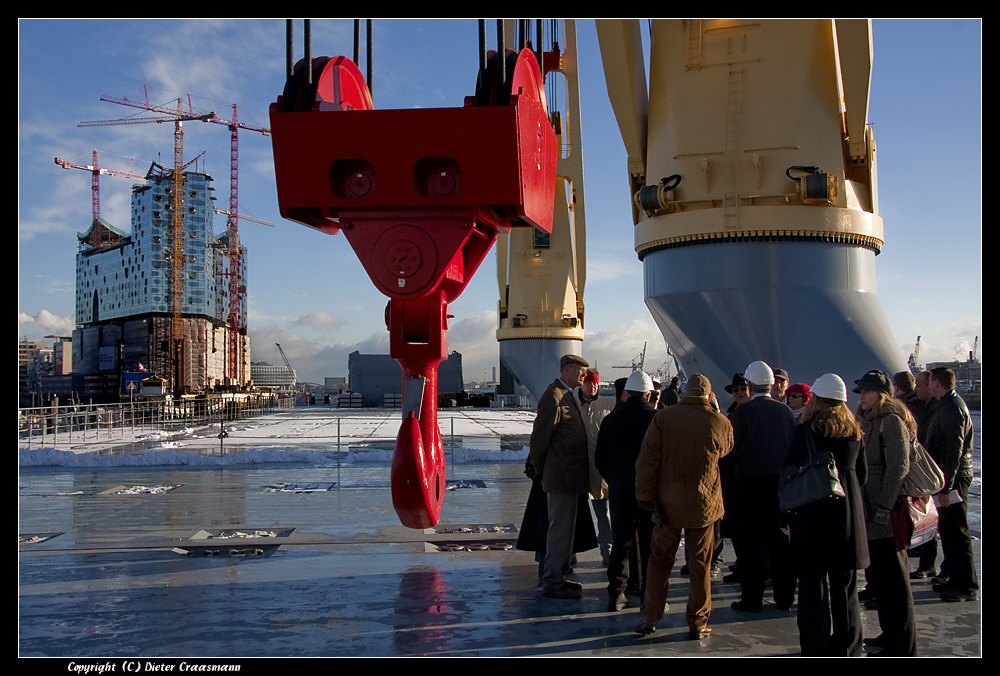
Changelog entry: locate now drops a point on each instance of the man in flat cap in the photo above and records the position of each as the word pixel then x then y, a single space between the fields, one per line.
pixel 560 456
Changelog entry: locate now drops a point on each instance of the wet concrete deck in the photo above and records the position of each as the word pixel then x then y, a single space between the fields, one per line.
pixel 129 576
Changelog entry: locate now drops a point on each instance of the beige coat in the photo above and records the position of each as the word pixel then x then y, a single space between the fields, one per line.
pixel 593 415
pixel 678 466
pixel 559 442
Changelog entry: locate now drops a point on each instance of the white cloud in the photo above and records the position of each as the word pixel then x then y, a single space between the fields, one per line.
pixel 312 360
pixel 46 320
pixel 324 321
pixel 475 339
pixel 613 350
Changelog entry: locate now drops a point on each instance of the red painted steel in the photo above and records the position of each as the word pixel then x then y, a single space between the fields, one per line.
pixel 420 195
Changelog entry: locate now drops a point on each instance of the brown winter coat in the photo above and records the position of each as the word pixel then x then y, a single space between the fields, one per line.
pixel 678 466
pixel 559 444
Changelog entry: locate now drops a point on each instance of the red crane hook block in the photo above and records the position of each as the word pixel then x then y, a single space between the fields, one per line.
pixel 420 195
pixel 418 340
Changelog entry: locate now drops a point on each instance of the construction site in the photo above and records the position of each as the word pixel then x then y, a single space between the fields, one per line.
pixel 161 309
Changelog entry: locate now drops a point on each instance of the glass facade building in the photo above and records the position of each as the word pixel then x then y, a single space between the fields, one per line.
pixel 121 275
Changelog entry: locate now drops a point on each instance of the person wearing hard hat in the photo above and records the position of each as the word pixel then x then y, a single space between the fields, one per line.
pixel 618 444
pixel 762 431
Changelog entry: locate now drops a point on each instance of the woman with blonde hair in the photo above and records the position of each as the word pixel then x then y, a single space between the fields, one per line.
pixel 827 539
pixel 889 433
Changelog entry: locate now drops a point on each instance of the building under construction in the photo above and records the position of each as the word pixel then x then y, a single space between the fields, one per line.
pixel 132 290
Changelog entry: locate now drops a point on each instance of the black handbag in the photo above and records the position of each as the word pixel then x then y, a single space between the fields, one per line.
pixel 813 481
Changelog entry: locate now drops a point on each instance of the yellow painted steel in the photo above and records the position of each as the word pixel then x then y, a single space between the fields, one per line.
pixel 721 116
pixel 541 278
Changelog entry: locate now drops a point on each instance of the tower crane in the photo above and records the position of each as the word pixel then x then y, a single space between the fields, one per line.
pixel 96 171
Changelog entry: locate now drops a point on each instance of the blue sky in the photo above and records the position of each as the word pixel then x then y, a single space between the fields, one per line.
pixel 307 291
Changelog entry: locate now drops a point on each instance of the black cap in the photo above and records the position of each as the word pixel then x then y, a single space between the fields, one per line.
pixel 874 381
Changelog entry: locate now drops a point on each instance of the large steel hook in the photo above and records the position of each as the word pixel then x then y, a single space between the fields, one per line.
pixel 418 340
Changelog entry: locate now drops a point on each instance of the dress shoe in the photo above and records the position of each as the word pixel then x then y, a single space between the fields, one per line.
pixel 685 570
pixel 877 642
pixel 570 584
pixel 562 592
pixel 940 587
pixel 956 596
pixel 645 628
pixel 616 603
pixel 744 607
pixel 700 634
pixel 920 574
pixel 732 577
pixel 940 579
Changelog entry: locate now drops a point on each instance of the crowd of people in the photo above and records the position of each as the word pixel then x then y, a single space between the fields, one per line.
pixel 658 466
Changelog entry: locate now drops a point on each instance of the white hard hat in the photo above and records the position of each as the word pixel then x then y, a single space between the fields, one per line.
pixel 830 386
pixel 639 382
pixel 759 373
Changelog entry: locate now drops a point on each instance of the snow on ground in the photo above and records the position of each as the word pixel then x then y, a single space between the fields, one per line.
pixel 302 435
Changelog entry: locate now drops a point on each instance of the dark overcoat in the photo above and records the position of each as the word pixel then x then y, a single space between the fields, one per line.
pixel 831 535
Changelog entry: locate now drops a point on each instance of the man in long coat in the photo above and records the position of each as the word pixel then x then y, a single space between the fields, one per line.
pixel 618 446
pixel 762 430
pixel 560 456
pixel 677 476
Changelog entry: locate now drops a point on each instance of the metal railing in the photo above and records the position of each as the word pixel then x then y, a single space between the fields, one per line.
pixel 80 423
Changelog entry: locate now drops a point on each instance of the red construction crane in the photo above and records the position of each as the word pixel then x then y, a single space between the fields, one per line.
pixel 96 182
pixel 234 245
